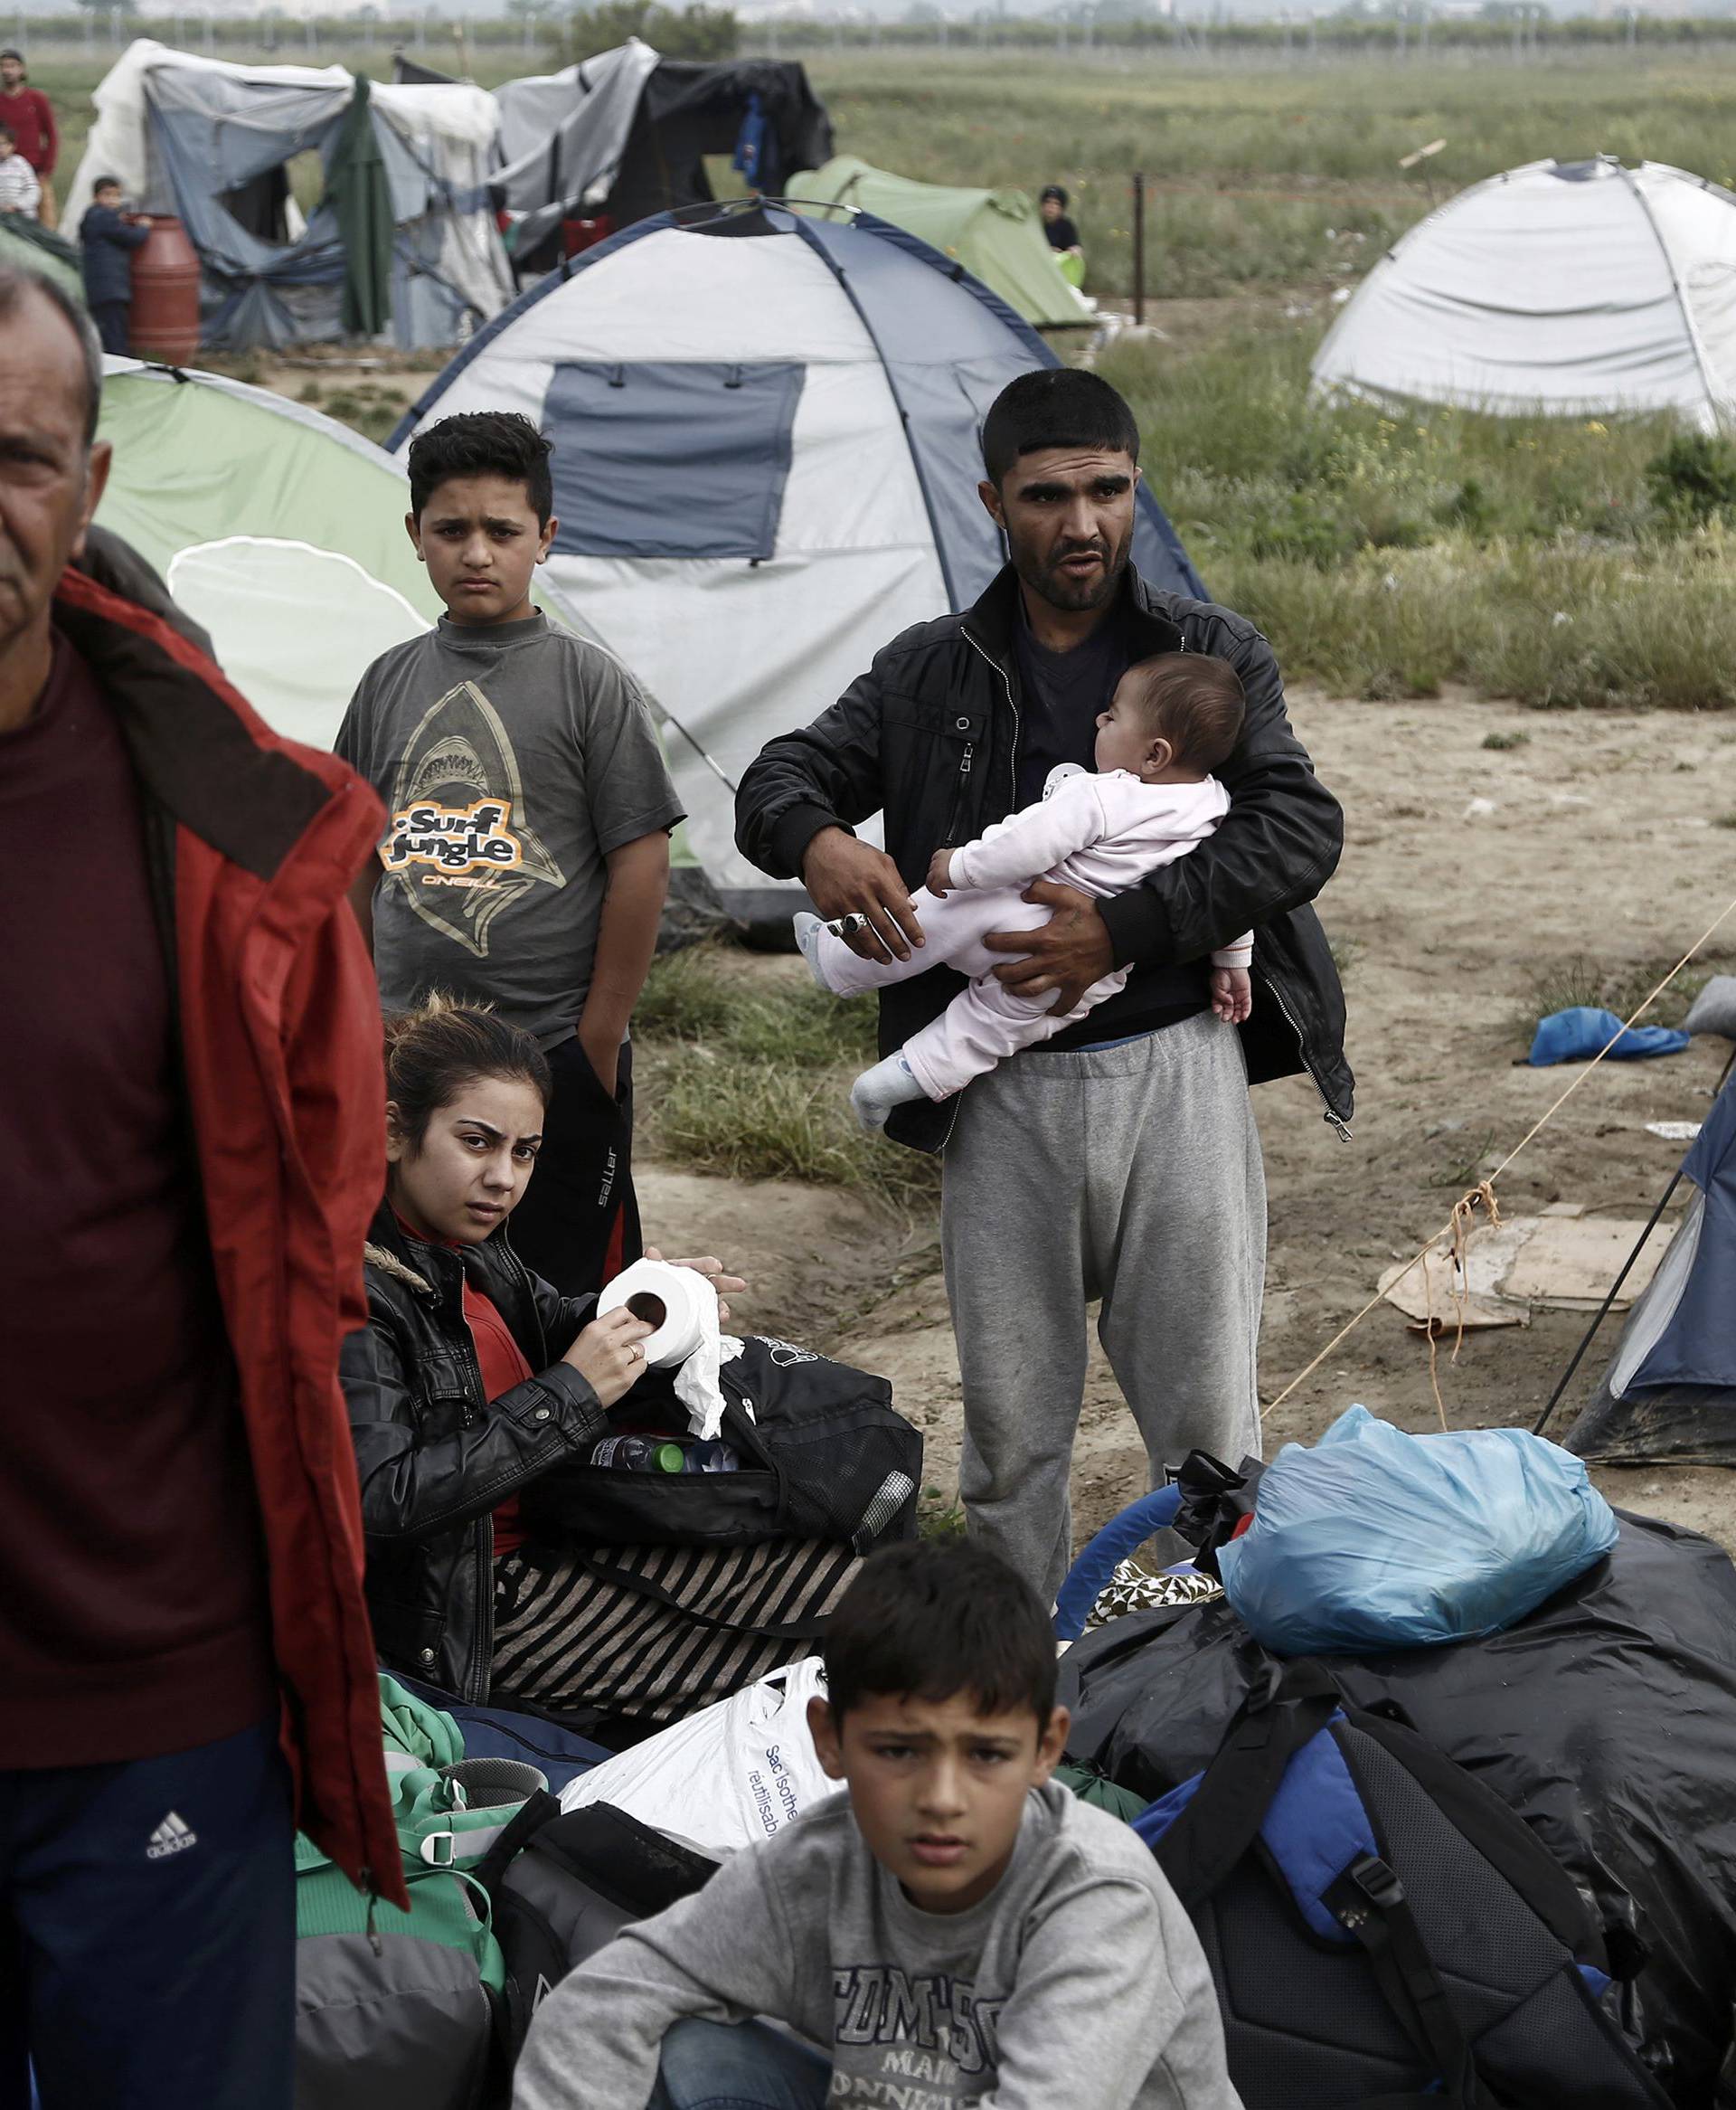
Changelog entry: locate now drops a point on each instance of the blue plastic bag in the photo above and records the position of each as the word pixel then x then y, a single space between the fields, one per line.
pixel 1375 1539
pixel 1577 1035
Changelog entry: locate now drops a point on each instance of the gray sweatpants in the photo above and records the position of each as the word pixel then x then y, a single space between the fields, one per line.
pixel 1132 1174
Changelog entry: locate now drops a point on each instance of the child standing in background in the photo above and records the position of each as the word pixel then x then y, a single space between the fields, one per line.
pixel 108 237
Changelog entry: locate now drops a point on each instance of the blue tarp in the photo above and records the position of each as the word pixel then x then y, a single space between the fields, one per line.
pixel 1698 1344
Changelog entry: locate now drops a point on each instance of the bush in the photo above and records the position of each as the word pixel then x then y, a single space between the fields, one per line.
pixel 678 32
pixel 1693 480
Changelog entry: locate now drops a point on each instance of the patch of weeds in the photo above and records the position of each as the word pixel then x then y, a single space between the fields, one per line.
pixel 369 408
pixel 310 392
pixel 1345 953
pixel 1467 1171
pixel 1501 741
pixel 1620 987
pixel 1724 819
pixel 936 1516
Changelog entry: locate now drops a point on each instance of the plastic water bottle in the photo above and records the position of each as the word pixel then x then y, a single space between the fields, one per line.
pixel 638 1454
pixel 711 1457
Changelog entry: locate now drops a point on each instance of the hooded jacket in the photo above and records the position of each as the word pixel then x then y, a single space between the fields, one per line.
pixel 928 737
pixel 253 843
pixel 437 1456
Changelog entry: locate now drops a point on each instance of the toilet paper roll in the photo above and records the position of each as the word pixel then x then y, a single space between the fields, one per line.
pixel 679 1301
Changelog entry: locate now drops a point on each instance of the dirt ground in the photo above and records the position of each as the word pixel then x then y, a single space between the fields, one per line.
pixel 1598 837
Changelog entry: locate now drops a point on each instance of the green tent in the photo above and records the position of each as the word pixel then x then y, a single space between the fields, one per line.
pixel 278 529
pixel 996 235
pixel 28 245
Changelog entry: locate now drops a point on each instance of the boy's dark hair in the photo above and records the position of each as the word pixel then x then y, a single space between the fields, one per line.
pixel 433 1051
pixel 1191 699
pixel 7 134
pixel 1055 192
pixel 106 183
pixel 483 444
pixel 1056 406
pixel 936 1617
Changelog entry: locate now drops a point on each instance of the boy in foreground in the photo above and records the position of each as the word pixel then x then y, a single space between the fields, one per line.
pixel 955 1930
pixel 526 851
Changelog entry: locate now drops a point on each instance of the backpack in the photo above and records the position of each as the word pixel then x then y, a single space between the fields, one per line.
pixel 563 1884
pixel 1383 1932
pixel 394 2009
pixel 824 1455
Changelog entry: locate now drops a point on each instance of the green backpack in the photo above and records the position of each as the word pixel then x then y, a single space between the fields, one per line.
pixel 396 2011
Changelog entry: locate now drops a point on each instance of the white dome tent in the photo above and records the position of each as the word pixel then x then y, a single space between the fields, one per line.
pixel 765 454
pixel 1582 289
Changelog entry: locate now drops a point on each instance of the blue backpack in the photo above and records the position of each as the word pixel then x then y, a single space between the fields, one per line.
pixel 1383 1932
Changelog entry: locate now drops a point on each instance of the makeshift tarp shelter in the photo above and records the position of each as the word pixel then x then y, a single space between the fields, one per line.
pixel 625 134
pixel 1579 288
pixel 766 432
pixel 996 235
pixel 405 228
pixel 1669 1395
pixel 280 530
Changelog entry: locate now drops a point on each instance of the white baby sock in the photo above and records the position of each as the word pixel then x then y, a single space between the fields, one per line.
pixel 809 929
pixel 876 1092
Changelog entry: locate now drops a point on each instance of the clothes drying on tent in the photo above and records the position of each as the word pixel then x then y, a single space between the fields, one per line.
pixel 1583 288
pixel 280 530
pixel 405 228
pixel 767 453
pixel 1669 1395
pixel 626 135
pixel 996 235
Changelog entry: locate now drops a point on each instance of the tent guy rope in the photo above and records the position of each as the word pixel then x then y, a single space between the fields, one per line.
pixel 1459 1225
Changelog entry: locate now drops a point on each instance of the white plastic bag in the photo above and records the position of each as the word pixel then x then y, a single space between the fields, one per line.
pixel 725 1778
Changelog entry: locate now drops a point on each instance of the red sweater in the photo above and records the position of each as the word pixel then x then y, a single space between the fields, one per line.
pixel 29 116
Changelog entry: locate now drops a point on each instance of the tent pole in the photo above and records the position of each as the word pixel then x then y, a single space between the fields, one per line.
pixel 1138 248
pixel 1604 1308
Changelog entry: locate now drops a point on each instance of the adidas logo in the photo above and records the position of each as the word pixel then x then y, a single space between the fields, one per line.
pixel 172 1836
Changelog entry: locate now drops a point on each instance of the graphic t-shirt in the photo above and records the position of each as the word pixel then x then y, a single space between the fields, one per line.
pixel 512 761
pixel 1078 1983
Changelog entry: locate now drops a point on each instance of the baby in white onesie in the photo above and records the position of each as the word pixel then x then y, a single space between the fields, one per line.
pixel 1152 800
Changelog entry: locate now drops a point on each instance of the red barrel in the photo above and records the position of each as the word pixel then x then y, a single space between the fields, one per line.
pixel 163 323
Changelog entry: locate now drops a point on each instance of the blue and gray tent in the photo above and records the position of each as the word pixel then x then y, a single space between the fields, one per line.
pixel 765 435
pixel 1669 1395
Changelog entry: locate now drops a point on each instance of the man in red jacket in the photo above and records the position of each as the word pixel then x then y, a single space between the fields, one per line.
pixel 191 1119
pixel 29 116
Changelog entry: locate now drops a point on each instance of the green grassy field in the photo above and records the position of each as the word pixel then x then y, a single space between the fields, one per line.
pixel 1543 560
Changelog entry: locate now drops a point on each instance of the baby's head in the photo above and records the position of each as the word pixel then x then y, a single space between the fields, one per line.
pixel 1172 719
pixel 940 1716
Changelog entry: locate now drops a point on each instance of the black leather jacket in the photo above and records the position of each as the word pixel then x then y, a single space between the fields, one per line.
pixel 928 736
pixel 435 1456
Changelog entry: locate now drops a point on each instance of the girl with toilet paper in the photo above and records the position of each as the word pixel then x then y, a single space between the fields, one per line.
pixel 474 1377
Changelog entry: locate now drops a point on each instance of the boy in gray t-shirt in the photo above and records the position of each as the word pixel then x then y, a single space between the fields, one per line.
pixel 957 1930
pixel 526 851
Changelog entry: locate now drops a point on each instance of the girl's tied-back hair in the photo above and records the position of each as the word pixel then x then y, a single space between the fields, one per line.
pixel 446 1042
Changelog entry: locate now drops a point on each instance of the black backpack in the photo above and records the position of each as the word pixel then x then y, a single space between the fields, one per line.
pixel 1384 1933
pixel 824 1455
pixel 563 1884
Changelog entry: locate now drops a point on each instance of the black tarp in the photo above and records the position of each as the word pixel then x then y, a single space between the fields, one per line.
pixel 690 109
pixel 1607 1719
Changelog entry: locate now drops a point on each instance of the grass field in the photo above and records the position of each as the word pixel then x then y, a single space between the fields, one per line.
pixel 1548 561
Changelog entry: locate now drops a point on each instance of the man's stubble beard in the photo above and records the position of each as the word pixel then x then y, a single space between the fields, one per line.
pixel 1044 580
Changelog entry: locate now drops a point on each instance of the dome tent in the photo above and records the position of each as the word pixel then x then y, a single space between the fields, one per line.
pixel 996 235
pixel 766 431
pixel 280 530
pixel 1577 287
